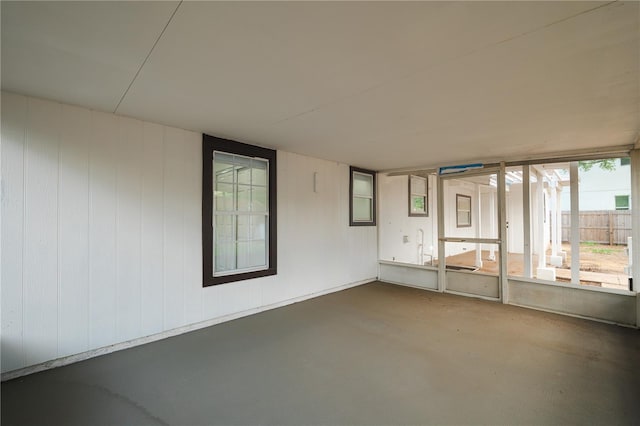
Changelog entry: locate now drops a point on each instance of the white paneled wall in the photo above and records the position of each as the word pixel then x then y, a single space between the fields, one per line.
pixel 395 223
pixel 101 232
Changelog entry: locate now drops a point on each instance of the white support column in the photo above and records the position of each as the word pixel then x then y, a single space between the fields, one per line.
pixel 477 207
pixel 493 218
pixel 553 217
pixel 635 227
pixel 502 219
pixel 559 218
pixel 575 224
pixel 540 213
pixel 441 252
pixel 526 219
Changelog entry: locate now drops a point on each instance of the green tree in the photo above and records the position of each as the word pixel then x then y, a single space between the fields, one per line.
pixel 608 164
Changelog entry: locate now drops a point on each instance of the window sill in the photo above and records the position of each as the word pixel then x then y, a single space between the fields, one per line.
pixel 239 277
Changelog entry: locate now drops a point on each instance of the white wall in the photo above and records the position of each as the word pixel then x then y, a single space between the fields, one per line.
pixel 394 221
pixel 101 232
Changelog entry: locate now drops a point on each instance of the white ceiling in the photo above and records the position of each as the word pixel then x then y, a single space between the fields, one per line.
pixel 381 85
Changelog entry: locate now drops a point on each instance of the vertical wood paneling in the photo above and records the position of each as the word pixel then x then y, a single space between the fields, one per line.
pixel 152 301
pixel 41 232
pixel 129 156
pixel 174 168
pixel 102 230
pixel 14 112
pixel 75 136
pixel 192 218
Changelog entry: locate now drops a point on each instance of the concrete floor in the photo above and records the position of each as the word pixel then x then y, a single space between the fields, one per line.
pixel 374 354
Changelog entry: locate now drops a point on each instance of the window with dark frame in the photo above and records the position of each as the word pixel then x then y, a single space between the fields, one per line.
pixel 418 198
pixel 362 197
pixel 239 238
pixel 463 211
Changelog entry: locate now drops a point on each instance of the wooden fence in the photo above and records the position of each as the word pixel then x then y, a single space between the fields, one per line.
pixel 600 226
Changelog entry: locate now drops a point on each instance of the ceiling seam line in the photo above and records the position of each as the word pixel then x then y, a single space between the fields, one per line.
pixel 147 57
pixel 559 21
pixel 414 73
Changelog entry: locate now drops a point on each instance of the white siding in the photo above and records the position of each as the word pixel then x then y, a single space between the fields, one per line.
pixel 598 188
pixel 395 222
pixel 75 140
pixel 101 232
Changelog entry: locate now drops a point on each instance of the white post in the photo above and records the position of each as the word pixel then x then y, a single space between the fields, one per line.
pixel 504 249
pixel 441 252
pixel 554 218
pixel 526 208
pixel 635 227
pixel 493 218
pixel 540 213
pixel 575 224
pixel 478 225
pixel 559 217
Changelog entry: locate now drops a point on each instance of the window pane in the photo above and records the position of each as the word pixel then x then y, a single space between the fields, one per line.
pixel 243 254
pixel 604 224
pixel 515 188
pixel 259 199
pixel 417 204
pixel 464 219
pixel 258 253
pixel 622 202
pixel 251 254
pixel 223 167
pixel 224 248
pixel 362 210
pixel 258 227
pixel 224 228
pixel 471 206
pixel 223 194
pixel 259 172
pixel 418 185
pixel 244 198
pixel 362 184
pixel 472 257
pixel 224 257
pixel 244 175
pixel 244 228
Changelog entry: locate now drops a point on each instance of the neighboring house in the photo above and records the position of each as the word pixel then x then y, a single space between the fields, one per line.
pixel 603 189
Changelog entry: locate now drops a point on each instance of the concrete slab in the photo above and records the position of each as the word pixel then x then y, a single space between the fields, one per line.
pixel 375 354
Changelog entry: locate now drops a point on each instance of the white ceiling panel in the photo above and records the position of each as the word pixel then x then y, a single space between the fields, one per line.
pixel 377 84
pixel 83 53
pixel 566 87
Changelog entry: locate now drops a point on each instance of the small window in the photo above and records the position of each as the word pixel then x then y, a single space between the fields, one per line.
pixel 239 211
pixel 362 201
pixel 622 202
pixel 463 211
pixel 625 161
pixel 418 186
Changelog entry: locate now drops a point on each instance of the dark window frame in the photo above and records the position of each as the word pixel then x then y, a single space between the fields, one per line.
pixel 458 196
pixel 371 222
pixel 209 145
pixel 426 197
